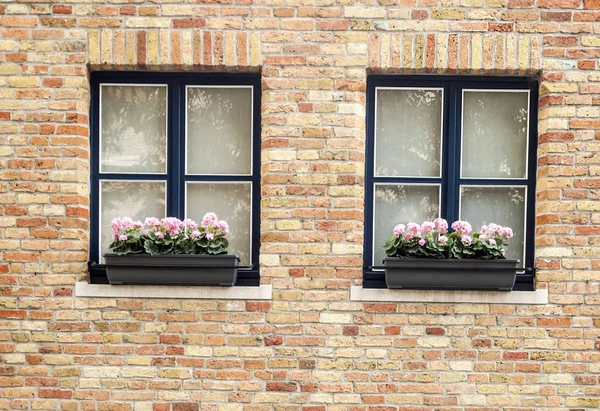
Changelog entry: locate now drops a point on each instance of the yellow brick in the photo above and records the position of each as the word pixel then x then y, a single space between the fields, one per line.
pixel 334 364
pixel 334 318
pixel 144 22
pixel 447 14
pixel 344 249
pixel 263 397
pixel 174 373
pixel 198 351
pixel 24 82
pixel 364 12
pixel 138 372
pixel 288 225
pixel 592 41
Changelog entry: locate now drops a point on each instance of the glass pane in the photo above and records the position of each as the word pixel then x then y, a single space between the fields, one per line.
pixel 395 204
pixel 138 200
pixel 219 130
pixel 134 129
pixel 231 202
pixel 500 205
pixel 495 134
pixel 408 132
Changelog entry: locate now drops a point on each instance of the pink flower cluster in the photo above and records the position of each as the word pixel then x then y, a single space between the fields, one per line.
pixel 494 230
pixel 125 227
pixel 210 220
pixel 431 239
pixel 439 226
pixel 415 231
pixel 399 230
pixel 462 227
pixel 121 225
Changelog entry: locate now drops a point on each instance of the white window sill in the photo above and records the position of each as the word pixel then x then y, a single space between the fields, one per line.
pixel 84 289
pixel 358 293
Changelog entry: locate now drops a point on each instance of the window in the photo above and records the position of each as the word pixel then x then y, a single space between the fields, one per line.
pixel 456 147
pixel 179 145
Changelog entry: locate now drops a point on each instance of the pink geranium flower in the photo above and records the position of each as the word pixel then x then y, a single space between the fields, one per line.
pixel 412 230
pixel 399 230
pixel 427 227
pixel 222 226
pixel 441 225
pixel 209 220
pixel 462 227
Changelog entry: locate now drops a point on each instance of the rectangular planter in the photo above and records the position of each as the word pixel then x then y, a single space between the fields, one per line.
pixel 450 274
pixel 180 269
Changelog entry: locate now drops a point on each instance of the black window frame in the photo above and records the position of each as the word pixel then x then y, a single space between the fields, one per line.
pixel 450 180
pixel 175 175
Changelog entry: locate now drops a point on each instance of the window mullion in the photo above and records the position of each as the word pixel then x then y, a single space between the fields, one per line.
pixel 453 156
pixel 175 176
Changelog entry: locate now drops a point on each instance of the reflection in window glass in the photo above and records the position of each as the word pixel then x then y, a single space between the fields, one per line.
pixel 138 200
pixel 397 203
pixel 408 134
pixel 134 129
pixel 495 134
pixel 219 130
pixel 500 205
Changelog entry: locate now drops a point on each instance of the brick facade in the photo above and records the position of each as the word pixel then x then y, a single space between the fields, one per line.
pixel 310 348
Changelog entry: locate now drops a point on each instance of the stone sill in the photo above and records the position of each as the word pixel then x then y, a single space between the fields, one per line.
pixel 85 289
pixel 537 297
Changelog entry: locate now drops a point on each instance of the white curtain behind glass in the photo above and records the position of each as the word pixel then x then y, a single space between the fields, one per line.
pixel 500 205
pixel 495 134
pixel 133 129
pixel 137 200
pixel 231 202
pixel 408 132
pixel 395 204
pixel 219 130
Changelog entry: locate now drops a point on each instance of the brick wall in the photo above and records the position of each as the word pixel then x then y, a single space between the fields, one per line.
pixel 310 348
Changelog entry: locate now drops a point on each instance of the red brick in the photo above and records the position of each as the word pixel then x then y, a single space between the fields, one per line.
pixel 189 23
pixel 62 9
pixel 273 340
pixel 55 393
pixel 281 386
pixel 554 322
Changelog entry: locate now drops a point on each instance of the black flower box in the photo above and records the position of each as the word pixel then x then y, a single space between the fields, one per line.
pixel 176 269
pixel 450 274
